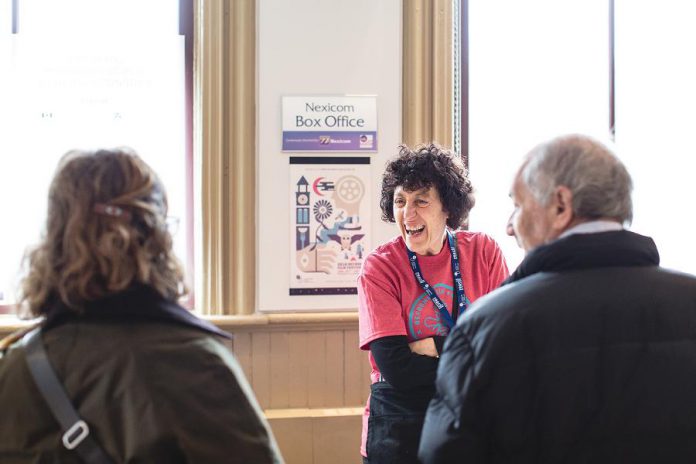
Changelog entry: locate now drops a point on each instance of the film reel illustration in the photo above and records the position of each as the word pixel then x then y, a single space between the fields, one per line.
pixel 348 192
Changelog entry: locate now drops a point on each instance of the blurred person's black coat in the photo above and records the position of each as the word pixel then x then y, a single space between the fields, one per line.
pixel 586 355
pixel 154 383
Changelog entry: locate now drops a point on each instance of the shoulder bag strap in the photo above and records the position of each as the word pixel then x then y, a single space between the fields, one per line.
pixel 76 432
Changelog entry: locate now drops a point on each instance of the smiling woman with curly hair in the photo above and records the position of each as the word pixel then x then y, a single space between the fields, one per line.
pixel 152 382
pixel 411 290
pixel 429 166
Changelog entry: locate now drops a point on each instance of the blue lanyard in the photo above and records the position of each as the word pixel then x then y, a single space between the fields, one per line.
pixel 458 283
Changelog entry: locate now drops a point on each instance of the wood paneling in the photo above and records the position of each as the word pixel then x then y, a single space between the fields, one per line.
pixel 295 439
pixel 301 361
pixel 241 346
pixel 312 382
pixel 333 387
pixel 319 440
pixel 316 375
pixel 279 369
pixel 290 365
pixel 353 359
pixel 336 440
pixel 261 367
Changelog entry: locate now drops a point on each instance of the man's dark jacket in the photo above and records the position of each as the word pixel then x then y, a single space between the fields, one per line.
pixel 586 355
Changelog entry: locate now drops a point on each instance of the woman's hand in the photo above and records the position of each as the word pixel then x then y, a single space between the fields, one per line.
pixel 425 347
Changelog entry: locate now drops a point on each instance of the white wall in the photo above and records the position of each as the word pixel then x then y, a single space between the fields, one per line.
pixel 312 47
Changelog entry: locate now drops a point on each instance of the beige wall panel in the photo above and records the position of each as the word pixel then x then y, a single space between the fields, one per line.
pixel 225 67
pixel 334 370
pixel 294 438
pixel 241 347
pixel 417 78
pixel 442 72
pixel 261 370
pixel 353 358
pixel 427 70
pixel 316 376
pixel 280 370
pixel 300 365
pixel 337 440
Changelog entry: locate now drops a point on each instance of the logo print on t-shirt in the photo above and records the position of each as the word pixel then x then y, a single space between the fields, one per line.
pixel 424 319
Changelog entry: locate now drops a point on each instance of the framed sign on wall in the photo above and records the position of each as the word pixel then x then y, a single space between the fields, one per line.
pixel 330 123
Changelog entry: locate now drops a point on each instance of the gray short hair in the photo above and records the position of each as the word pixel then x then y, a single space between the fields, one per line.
pixel 599 181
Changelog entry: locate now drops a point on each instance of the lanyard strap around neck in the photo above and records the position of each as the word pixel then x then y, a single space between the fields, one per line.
pixel 458 283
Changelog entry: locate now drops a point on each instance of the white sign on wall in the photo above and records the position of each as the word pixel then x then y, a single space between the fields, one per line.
pixel 330 123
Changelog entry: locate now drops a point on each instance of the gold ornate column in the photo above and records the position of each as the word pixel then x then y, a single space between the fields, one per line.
pixel 427 71
pixel 225 146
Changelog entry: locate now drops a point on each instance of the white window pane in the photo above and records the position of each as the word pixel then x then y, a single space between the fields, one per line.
pixel 5 18
pixel 537 69
pixel 86 91
pixel 88 18
pixel 655 101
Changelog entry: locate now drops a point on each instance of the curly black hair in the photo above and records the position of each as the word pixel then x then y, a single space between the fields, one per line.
pixel 425 166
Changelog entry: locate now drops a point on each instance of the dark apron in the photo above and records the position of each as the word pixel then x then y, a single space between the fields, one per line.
pixel 395 423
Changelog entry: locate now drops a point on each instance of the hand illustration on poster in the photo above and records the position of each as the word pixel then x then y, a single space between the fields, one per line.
pixel 329 228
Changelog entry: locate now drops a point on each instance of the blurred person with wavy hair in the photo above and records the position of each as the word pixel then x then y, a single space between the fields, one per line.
pixel 153 382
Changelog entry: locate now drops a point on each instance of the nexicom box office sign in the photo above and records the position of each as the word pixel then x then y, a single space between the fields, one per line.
pixel 330 123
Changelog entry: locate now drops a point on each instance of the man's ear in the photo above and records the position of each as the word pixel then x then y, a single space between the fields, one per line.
pixel 562 208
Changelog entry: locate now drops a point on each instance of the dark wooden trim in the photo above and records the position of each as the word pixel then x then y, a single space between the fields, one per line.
pixel 15 16
pixel 464 79
pixel 186 19
pixel 612 81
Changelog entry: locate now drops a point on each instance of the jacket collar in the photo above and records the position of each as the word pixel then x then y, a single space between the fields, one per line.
pixel 587 251
pixel 592 227
pixel 137 304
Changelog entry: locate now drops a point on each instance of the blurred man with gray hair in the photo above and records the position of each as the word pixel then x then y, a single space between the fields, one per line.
pixel 587 354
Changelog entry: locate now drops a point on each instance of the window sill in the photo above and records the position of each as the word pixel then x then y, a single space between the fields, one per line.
pixel 286 322
pixel 251 323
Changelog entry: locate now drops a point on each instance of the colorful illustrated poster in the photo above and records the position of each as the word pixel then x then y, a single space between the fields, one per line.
pixel 330 204
pixel 330 123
